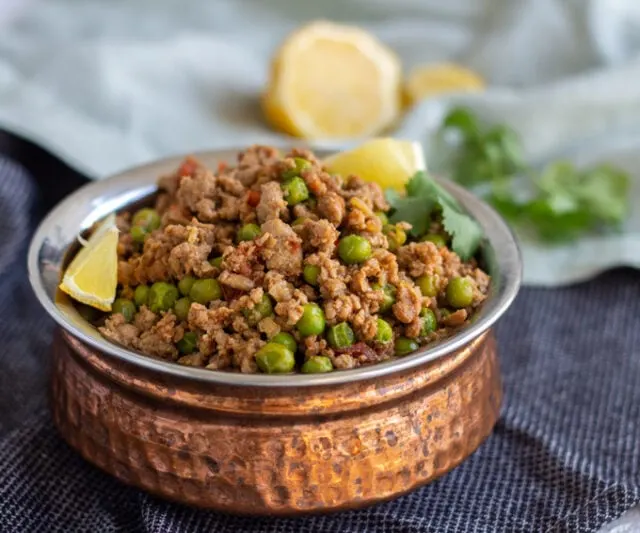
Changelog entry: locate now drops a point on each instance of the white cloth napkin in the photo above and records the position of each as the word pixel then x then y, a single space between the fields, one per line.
pixel 106 85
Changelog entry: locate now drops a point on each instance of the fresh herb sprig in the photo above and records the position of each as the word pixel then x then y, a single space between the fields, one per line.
pixel 424 200
pixel 559 204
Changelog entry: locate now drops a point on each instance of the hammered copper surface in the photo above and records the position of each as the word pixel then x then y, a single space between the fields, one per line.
pixel 262 450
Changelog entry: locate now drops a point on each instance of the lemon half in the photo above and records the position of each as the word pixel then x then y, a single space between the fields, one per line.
pixel 333 81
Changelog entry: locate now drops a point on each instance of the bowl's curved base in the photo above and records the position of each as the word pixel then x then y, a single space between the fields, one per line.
pixel 278 465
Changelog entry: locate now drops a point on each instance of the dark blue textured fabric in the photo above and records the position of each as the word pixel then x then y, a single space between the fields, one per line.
pixel 564 456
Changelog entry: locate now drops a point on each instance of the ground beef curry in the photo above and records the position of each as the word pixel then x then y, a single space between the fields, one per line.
pixel 274 265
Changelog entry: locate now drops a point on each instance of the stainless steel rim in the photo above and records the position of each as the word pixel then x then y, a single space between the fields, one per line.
pixel 93 201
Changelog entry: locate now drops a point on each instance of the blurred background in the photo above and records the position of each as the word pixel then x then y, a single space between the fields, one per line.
pixel 130 81
pixel 107 85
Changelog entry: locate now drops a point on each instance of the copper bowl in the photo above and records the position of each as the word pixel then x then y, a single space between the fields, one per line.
pixel 260 444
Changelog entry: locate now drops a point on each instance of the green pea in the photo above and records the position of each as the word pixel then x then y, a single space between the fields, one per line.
pixel 299 221
pixel 138 233
pixel 90 314
pixel 188 343
pixel 310 274
pixel 354 249
pixel 300 163
pixel 141 295
pixel 162 296
pixel 383 217
pixel 204 291
pixel 460 292
pixel 405 346
pixel 340 336
pixel 274 358
pixel 429 322
pixel 181 308
pixel 286 339
pixel 396 236
pixel 436 239
pixel 317 364
pixel 312 321
pixel 185 284
pixel 384 334
pixel 217 262
pixel 148 218
pixel 125 307
pixel 389 296
pixel 248 232
pixel 295 191
pixel 264 306
pixel 428 285
pixel 260 310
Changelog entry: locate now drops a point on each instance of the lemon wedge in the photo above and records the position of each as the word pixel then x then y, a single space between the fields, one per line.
pixel 332 81
pixel 92 276
pixel 431 80
pixel 387 162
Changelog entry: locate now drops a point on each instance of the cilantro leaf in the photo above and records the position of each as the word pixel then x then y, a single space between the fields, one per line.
pixel 422 185
pixel 465 232
pixel 507 152
pixel 559 178
pixel 417 206
pixel 556 225
pixel 561 203
pixel 570 202
pixel 463 121
pixel 482 156
pixel 414 210
pixel 392 196
pixel 507 206
pixel 425 197
pixel 604 191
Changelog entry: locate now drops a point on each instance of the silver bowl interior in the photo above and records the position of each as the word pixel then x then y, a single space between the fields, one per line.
pixel 59 230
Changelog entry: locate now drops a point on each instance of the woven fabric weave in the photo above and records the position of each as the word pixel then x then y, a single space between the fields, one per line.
pixel 563 457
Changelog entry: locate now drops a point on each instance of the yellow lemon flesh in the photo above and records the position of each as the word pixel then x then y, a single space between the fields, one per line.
pixel 431 80
pixel 92 276
pixel 387 162
pixel 333 81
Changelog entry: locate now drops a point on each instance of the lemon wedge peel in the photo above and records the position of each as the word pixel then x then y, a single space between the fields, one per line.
pixel 388 162
pixel 92 275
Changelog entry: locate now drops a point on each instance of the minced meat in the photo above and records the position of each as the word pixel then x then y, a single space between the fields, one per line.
pixel 253 247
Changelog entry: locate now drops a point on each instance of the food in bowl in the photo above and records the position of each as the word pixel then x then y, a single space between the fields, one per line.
pixel 274 265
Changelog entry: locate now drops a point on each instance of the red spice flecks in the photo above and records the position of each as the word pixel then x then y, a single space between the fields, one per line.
pixel 253 198
pixel 315 186
pixel 244 270
pixel 361 351
pixel 188 167
pixel 293 246
pixel 230 293
pixel 175 213
pixel 222 166
pixel 383 350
